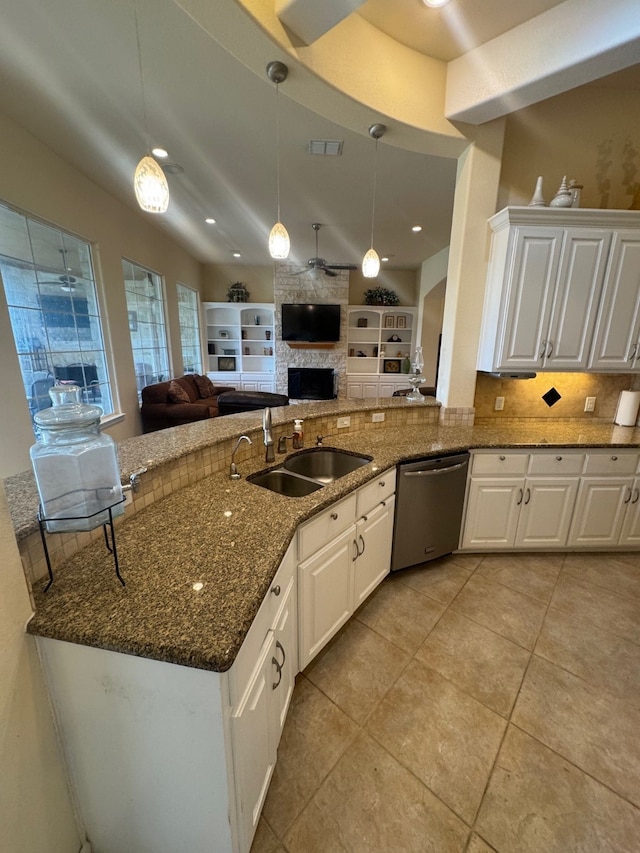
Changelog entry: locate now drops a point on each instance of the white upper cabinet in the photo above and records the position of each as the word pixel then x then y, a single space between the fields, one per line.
pixel 617 338
pixel 548 271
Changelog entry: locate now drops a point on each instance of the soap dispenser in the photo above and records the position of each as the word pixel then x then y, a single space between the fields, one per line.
pixel 298 434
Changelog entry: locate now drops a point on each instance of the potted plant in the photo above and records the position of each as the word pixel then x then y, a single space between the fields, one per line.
pixel 380 296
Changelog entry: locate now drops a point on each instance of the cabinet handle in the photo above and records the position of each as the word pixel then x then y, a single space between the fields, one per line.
pixel 558 458
pixel 279 668
pixel 543 350
pixel 353 559
pixel 550 349
pixel 614 458
pixel 630 494
pixel 519 501
pixel 383 503
pixel 281 647
pixel 334 516
pixel 382 484
pixel 363 546
pixel 636 492
pixel 633 352
pixel 502 458
pixel 528 497
pixel 276 589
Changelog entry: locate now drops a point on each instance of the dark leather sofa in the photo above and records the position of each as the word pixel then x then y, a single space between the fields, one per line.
pixel 179 401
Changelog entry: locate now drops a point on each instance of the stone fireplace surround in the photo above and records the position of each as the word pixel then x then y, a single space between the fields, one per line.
pixel 300 289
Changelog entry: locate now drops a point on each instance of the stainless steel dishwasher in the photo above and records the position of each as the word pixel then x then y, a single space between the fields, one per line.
pixel 429 502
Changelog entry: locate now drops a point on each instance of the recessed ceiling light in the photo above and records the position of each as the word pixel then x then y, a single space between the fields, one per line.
pixel 210 220
pixel 435 3
pixel 416 228
pixel 236 254
pixel 159 152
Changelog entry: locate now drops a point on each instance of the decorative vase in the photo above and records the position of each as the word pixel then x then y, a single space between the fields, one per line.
pixel 576 190
pixel 563 197
pixel 537 199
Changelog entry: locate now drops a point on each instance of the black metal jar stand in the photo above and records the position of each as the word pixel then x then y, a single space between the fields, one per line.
pixel 111 545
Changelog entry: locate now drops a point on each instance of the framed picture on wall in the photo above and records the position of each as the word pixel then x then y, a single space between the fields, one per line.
pixel 401 322
pixel 389 321
pixel 392 365
pixel 226 362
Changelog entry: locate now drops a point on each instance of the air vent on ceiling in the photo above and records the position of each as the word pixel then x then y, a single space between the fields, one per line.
pixel 326 147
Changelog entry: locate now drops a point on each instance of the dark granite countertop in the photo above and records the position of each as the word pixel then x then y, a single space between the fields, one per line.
pixel 230 536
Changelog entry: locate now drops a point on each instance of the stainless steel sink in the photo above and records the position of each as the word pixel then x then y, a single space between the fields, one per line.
pixel 309 471
pixel 325 464
pixel 285 484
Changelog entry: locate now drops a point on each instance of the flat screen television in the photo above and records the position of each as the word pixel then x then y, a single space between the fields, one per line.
pixel 310 323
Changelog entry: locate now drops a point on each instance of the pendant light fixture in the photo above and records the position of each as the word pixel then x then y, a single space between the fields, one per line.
pixel 149 181
pixel 279 243
pixel 371 261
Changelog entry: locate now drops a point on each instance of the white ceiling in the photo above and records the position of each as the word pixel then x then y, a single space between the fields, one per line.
pixel 70 72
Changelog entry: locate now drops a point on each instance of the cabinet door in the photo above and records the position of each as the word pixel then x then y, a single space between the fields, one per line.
pixel 529 285
pixel 493 507
pixel 630 534
pixel 284 661
pixel 325 594
pixel 576 300
pixel 600 509
pixel 254 751
pixel 545 516
pixel 374 533
pixel 617 334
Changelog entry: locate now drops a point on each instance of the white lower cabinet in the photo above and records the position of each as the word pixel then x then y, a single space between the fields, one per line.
pixel 345 553
pixel 532 511
pixel 595 505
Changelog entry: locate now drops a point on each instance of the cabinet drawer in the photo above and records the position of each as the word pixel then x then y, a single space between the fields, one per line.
pixel 562 462
pixel 369 496
pixel 611 462
pixel 325 526
pixel 495 464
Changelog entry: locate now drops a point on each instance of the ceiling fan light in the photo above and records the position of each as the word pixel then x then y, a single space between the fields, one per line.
pixel 371 264
pixel 279 243
pixel 151 187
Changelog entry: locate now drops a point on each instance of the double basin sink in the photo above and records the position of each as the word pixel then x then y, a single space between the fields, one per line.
pixel 309 471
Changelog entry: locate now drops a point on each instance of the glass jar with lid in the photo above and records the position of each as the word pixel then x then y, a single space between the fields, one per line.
pixel 75 465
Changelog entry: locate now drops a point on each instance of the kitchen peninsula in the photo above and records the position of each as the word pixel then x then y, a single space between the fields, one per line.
pixel 161 667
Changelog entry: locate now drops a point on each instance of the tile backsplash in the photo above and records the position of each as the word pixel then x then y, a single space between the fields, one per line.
pixel 523 398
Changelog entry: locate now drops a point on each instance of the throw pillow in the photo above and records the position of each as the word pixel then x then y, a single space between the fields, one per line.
pixel 177 394
pixel 204 385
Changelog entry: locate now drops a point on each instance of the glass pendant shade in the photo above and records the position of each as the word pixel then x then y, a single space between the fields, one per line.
pixel 150 184
pixel 279 243
pixel 371 264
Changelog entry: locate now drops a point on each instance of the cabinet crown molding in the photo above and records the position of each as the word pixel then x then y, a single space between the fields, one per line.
pixel 563 217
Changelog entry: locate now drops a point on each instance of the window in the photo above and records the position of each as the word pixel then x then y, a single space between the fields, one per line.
pixel 145 308
pixel 189 329
pixel 53 307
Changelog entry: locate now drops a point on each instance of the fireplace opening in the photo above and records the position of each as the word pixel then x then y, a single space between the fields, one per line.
pixel 312 383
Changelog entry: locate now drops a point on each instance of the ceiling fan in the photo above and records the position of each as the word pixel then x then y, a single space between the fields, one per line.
pixel 318 265
pixel 67 281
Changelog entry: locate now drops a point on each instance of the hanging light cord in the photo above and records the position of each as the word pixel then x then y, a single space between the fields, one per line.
pixel 278 149
pixel 375 176
pixel 144 101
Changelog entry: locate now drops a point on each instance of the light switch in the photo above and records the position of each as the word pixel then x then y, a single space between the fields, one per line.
pixel 499 404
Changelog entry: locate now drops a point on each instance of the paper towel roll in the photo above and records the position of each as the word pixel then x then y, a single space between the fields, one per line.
pixel 627 411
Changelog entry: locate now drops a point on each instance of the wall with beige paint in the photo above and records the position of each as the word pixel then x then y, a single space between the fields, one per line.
pixel 591 134
pixel 38 181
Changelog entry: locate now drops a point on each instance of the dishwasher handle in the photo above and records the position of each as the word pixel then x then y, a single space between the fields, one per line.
pixel 430 472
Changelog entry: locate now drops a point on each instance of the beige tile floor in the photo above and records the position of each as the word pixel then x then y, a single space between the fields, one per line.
pixel 474 704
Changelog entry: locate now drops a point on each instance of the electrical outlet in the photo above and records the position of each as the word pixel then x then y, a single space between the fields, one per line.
pixel 498 406
pixel 589 404
pixel 377 417
pixel 343 422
